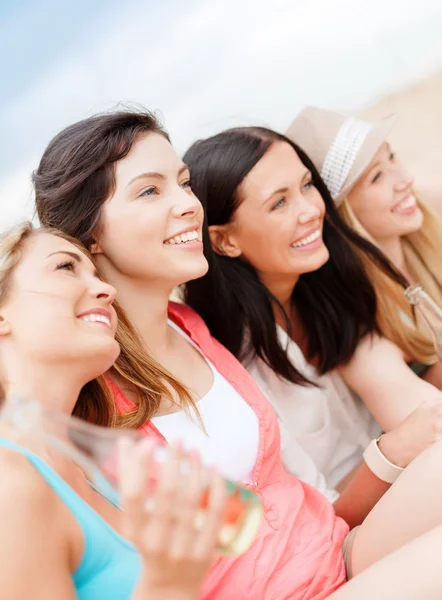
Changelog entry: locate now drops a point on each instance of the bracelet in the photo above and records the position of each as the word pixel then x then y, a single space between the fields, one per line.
pixel 379 465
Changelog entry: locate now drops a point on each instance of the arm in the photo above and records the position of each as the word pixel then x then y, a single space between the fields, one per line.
pixel 34 552
pixel 361 490
pixel 379 374
pixel 359 494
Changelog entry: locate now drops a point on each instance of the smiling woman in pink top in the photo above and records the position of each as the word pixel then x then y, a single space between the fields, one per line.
pixel 115 183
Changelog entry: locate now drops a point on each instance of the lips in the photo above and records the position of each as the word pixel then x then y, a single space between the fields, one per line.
pixel 307 239
pixel 184 238
pixel 97 315
pixel 406 205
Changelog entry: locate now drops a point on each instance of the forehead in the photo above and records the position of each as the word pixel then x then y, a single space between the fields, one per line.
pixel 381 152
pixel 150 153
pixel 41 245
pixel 279 167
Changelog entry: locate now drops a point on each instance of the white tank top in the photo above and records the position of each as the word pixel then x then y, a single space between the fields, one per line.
pixel 231 440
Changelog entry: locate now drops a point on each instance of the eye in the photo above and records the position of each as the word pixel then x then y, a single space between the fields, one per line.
pixel 308 184
pixel 186 184
pixel 376 177
pixel 67 265
pixel 281 202
pixel 150 191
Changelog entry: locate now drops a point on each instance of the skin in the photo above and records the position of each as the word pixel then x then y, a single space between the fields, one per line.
pixel 280 205
pixel 144 289
pixel 375 200
pixel 49 353
pixel 130 252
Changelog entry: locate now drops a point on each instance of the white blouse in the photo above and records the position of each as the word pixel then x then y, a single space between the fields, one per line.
pixel 324 429
pixel 231 440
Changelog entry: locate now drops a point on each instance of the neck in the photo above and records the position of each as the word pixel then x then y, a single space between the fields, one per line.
pixel 392 248
pixel 282 290
pixel 146 306
pixel 54 386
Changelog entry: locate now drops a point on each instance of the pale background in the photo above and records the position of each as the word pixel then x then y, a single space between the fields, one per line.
pixel 208 64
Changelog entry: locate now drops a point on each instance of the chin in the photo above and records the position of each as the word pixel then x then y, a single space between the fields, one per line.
pixel 195 271
pixel 104 356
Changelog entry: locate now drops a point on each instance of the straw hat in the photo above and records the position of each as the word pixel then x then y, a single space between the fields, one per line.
pixel 340 147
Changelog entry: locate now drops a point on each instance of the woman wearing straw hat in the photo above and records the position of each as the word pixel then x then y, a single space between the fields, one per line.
pixel 374 195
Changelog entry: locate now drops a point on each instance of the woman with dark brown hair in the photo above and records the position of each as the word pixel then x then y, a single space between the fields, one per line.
pixel 114 182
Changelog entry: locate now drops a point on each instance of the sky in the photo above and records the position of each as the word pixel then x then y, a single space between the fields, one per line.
pixel 202 65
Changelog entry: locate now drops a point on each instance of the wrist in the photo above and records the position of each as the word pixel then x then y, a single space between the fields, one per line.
pixel 392 448
pixel 379 464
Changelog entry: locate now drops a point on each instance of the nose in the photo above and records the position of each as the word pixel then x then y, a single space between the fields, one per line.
pixel 404 179
pixel 186 204
pixel 308 212
pixel 102 291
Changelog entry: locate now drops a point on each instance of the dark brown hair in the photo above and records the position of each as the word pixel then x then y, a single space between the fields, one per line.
pixel 74 179
pixel 336 304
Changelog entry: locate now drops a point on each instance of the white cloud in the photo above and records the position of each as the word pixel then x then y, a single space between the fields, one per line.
pixel 209 65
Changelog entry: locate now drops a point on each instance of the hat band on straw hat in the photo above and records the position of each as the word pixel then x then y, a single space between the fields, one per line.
pixel 343 152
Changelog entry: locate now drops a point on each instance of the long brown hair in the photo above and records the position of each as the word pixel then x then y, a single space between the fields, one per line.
pixel 74 179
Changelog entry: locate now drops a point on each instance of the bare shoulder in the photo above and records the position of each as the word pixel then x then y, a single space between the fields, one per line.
pixel 22 487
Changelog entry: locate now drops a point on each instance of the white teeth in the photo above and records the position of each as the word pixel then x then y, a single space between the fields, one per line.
pixel 96 318
pixel 308 240
pixel 182 238
pixel 407 203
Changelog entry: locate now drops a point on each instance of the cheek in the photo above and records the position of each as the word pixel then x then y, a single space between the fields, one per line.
pixel 371 208
pixel 131 231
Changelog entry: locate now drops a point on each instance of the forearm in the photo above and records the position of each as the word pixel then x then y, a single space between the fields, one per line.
pixel 359 495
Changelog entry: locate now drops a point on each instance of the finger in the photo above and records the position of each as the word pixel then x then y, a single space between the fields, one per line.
pixel 135 467
pixel 188 508
pixel 207 538
pixel 157 536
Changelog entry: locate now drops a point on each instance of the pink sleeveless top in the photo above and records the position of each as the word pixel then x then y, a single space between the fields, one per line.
pixel 298 552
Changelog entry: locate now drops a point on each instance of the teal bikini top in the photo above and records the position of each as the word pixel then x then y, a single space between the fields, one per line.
pixel 111 566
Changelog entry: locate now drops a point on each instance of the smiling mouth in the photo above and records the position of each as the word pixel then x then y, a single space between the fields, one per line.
pixel 183 238
pixel 308 239
pixel 405 205
pixel 96 318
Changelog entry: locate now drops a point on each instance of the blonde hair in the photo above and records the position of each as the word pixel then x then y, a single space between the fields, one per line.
pixel 395 316
pixel 96 402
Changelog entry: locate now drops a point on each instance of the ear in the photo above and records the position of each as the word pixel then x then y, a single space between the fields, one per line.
pixel 95 248
pixel 223 241
pixel 5 326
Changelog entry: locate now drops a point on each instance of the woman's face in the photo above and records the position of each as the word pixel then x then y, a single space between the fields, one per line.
pixel 382 199
pixel 151 226
pixel 277 227
pixel 58 311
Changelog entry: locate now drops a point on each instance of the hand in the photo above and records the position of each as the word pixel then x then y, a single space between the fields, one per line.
pixel 176 555
pixel 417 432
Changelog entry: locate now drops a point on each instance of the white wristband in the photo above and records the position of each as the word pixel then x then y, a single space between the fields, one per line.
pixel 379 464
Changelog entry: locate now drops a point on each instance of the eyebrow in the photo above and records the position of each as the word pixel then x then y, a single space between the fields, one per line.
pixel 73 255
pixel 285 189
pixel 154 175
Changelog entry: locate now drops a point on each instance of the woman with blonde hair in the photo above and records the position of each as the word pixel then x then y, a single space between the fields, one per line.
pixel 62 537
pixel 374 195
